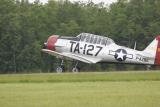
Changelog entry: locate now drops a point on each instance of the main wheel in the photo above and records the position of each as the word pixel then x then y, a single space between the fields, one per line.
pixel 60 69
pixel 75 69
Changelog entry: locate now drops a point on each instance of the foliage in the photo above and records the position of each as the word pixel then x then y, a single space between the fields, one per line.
pixel 25 26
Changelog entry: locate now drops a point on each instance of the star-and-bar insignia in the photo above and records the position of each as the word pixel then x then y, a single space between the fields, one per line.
pixel 120 54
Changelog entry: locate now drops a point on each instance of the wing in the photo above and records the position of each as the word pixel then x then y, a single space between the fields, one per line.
pixel 81 58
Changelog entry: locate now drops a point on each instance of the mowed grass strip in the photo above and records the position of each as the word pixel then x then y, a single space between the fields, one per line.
pixel 100 89
pixel 81 77
pixel 81 94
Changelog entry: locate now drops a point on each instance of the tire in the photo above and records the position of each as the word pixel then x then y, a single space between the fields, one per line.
pixel 75 69
pixel 60 69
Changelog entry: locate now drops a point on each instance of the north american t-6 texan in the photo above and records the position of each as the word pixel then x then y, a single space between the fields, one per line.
pixel 91 48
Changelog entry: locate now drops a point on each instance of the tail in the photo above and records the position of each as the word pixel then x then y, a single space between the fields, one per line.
pixel 153 50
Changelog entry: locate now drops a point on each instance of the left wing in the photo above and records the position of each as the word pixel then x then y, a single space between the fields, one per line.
pixel 81 58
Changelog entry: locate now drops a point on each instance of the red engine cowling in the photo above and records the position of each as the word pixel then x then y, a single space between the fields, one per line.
pixel 51 42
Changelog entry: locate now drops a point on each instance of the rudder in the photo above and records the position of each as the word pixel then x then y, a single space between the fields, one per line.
pixel 157 56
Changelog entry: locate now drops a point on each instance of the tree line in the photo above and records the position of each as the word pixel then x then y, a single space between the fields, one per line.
pixel 25 26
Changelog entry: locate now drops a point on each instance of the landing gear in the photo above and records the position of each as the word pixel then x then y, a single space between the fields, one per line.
pixel 60 68
pixel 75 69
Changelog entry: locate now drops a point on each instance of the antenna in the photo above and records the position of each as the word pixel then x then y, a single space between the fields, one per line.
pixel 135 44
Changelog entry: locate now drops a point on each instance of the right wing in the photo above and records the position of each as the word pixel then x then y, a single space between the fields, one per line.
pixel 81 58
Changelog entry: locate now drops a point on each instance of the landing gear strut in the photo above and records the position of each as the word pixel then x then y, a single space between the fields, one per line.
pixel 75 68
pixel 60 68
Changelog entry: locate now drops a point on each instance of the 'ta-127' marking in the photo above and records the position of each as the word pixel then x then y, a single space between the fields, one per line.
pixel 87 48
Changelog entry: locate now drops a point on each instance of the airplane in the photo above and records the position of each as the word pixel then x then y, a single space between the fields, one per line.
pixel 91 48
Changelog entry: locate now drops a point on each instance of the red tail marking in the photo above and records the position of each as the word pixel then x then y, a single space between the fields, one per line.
pixel 157 57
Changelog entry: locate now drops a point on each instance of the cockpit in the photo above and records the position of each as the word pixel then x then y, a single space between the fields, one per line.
pixel 95 39
pixel 91 38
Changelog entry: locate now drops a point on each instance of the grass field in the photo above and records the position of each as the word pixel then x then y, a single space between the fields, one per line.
pixel 111 89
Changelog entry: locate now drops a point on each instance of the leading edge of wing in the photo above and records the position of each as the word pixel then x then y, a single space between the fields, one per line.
pixel 72 56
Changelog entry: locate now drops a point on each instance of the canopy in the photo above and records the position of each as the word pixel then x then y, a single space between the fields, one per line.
pixel 95 39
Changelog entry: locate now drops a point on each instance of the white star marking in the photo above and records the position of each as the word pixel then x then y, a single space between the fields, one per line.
pixel 120 55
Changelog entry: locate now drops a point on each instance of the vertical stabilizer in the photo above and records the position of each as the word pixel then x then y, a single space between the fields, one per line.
pixel 153 50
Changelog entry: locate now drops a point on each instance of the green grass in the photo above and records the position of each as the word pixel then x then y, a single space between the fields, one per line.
pixel 112 89
pixel 81 77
